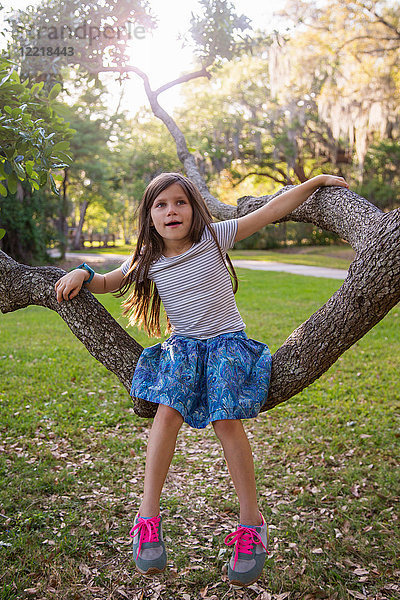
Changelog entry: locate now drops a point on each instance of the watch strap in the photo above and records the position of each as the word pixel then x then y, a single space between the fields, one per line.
pixel 89 270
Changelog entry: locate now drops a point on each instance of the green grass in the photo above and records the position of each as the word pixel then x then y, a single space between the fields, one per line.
pixel 72 462
pixel 335 257
pixel 119 248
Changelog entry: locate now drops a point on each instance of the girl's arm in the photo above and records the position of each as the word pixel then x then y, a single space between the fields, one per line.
pixel 70 284
pixel 283 204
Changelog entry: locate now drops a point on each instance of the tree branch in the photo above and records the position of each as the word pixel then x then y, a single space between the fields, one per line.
pixel 366 296
pixel 103 337
pixel 260 174
pixel 183 79
pixel 335 209
pixel 370 290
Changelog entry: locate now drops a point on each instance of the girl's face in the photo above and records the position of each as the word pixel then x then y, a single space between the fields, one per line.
pixel 171 215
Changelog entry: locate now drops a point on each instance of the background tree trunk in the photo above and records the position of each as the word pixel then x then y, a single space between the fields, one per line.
pixel 63 214
pixel 78 233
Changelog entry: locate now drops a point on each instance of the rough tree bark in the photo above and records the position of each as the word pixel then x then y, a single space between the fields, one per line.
pixel 370 290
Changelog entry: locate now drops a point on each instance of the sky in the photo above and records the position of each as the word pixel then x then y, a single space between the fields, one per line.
pixel 167 64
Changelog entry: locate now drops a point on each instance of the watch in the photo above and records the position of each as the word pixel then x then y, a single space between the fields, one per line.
pixel 89 270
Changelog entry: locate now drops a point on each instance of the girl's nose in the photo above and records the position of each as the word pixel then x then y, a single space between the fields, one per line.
pixel 171 210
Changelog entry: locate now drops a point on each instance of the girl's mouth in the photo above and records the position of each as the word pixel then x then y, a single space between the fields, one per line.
pixel 173 224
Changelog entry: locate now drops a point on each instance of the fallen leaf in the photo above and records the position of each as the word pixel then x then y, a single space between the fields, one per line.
pixel 357 595
pixel 84 569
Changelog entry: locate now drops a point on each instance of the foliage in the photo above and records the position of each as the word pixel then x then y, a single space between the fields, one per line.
pixel 217 33
pixel 88 34
pixel 144 149
pixel 283 234
pixel 88 179
pixel 350 52
pixel 381 182
pixel 33 138
pixel 29 225
pixel 237 128
pixel 33 147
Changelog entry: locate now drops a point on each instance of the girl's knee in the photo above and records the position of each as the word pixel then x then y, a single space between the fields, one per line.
pixel 227 427
pixel 168 416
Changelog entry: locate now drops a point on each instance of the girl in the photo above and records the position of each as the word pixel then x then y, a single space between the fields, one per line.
pixel 208 370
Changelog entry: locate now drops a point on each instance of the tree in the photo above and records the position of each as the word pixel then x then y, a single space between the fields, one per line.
pixel 33 138
pixel 350 50
pixel 90 174
pixel 87 35
pixel 136 159
pixel 370 290
pixel 33 145
pixel 381 181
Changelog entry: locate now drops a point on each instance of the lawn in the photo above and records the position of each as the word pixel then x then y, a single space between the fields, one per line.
pixel 72 462
pixel 335 256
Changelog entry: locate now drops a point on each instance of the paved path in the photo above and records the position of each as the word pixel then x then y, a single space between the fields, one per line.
pixel 258 265
pixel 262 265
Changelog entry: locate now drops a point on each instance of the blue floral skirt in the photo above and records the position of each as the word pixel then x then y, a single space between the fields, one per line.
pixel 223 377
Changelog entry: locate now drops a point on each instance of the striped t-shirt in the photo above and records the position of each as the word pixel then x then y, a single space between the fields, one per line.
pixel 195 287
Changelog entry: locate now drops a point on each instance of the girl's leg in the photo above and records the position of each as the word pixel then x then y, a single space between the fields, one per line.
pixel 160 450
pixel 240 463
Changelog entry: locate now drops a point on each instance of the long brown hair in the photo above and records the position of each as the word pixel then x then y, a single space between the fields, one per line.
pixel 144 302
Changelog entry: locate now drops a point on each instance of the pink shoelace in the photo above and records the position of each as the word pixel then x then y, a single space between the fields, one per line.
pixel 147 529
pixel 244 538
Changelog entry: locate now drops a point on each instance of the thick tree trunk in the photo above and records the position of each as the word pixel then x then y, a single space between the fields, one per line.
pixel 370 290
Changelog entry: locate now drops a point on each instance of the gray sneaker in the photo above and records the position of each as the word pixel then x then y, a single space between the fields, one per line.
pixel 248 557
pixel 148 545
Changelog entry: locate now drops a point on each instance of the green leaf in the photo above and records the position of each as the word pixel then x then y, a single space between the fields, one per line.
pixel 2 233
pixel 15 77
pixel 6 78
pixel 27 121
pixel 3 190
pixel 43 178
pixel 12 184
pixel 62 110
pixel 53 185
pixel 19 170
pixel 35 185
pixel 65 157
pixel 55 90
pixel 35 89
pixel 60 146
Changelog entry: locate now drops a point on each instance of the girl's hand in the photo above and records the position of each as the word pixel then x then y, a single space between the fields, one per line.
pixel 325 180
pixel 70 284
